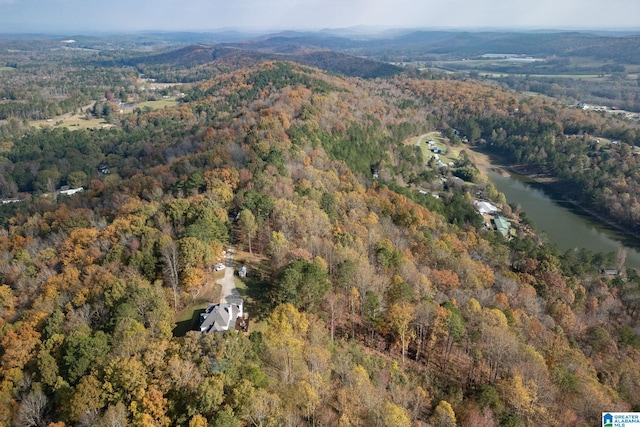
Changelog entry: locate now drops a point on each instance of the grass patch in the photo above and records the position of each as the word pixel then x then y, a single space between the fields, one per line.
pixel 448 153
pixel 253 289
pixel 256 304
pixel 159 104
pixel 255 293
pixel 73 123
pixel 188 318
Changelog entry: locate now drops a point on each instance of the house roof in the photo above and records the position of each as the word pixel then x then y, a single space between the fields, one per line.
pixel 234 299
pixel 485 207
pixel 220 317
pixel 502 224
pixel 71 191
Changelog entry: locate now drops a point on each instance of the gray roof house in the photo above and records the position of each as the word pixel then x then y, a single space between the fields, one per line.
pixel 221 317
pixel 485 207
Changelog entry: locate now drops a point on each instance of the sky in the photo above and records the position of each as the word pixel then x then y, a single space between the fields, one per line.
pixel 87 16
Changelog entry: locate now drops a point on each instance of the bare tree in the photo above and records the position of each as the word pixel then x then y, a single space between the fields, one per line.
pixel 621 259
pixel 115 416
pixel 32 409
pixel 170 258
pixel 332 301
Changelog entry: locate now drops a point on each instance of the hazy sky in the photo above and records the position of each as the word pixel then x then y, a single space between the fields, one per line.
pixel 71 16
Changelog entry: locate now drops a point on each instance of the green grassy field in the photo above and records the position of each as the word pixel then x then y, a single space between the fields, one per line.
pixel 72 123
pixel 188 318
pixel 250 303
pixel 157 105
pixel 80 121
pixel 448 154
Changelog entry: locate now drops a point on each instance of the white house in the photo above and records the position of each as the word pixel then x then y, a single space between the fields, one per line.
pixel 485 207
pixel 221 317
pixel 6 201
pixel 71 191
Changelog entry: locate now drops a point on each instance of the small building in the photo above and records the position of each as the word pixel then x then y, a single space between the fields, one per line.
pixel 243 271
pixel 502 225
pixel 7 201
pixel 71 191
pixel 485 207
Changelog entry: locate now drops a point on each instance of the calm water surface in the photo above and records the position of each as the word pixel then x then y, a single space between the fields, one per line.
pixel 561 224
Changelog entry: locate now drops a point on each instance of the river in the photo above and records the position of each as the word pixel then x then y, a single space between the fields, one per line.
pixel 560 221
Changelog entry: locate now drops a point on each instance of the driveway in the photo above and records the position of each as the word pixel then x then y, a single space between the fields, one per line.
pixel 228 283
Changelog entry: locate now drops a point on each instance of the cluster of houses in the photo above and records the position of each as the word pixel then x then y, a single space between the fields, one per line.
pixel 7 201
pixel 436 153
pixel 492 218
pixel 65 190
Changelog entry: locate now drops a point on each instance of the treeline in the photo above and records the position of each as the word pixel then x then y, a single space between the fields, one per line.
pixel 381 307
pixel 617 91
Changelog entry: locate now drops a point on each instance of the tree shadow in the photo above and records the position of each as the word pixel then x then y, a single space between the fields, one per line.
pixel 191 324
pixel 256 297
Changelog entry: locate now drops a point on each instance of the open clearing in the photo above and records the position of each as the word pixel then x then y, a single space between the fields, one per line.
pixel 253 291
pixel 80 121
pixel 74 122
pixel 187 319
pixel 172 101
pixel 448 153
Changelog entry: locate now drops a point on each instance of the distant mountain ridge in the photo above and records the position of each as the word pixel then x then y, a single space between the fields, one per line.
pixel 370 56
pixel 420 44
pixel 336 62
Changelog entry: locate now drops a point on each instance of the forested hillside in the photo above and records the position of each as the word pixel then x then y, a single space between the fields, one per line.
pixel 372 303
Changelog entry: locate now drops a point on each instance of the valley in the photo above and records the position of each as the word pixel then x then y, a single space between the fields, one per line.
pixel 349 188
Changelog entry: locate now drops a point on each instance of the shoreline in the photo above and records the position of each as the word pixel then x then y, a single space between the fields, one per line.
pixel 483 162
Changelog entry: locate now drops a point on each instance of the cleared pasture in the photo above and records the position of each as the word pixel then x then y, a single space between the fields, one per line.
pixel 172 101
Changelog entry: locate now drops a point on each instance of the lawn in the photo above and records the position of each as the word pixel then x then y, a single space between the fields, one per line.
pixel 159 104
pixel 188 318
pixel 448 154
pixel 73 123
pixel 253 290
pixel 253 305
pixel 77 122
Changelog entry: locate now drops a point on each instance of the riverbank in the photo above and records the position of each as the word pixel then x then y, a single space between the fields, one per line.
pixel 483 162
pixel 491 163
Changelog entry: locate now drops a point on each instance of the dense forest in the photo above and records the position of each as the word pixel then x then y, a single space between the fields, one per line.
pixel 372 302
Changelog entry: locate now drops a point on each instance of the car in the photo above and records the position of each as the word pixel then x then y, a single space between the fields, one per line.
pixel 219 266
